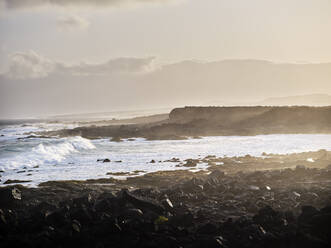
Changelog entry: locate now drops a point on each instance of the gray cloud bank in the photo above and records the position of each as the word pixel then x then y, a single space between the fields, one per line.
pixel 36 85
pixel 31 65
pixel 21 4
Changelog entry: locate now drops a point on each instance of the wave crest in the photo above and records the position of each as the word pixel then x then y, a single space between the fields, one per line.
pixel 50 153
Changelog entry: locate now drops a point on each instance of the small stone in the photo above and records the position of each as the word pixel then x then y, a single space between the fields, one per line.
pixel 167 203
pixel 76 226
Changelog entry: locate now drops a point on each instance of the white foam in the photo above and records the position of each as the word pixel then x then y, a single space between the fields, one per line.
pixel 12 132
pixel 48 152
pixel 76 158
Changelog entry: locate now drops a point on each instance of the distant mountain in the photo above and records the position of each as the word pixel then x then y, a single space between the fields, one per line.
pixel 309 100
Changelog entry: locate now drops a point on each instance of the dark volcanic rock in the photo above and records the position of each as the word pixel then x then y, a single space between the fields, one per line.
pixel 142 203
pixel 9 196
pixel 103 160
pixel 196 210
pixel 191 163
pixel 16 181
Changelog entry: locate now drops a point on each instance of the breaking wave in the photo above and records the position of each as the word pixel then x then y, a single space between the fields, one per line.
pixel 49 152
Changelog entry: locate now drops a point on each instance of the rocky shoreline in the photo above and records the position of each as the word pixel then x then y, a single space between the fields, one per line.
pixel 213 121
pixel 252 204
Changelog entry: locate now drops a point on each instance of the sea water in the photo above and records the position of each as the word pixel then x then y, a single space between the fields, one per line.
pixel 75 158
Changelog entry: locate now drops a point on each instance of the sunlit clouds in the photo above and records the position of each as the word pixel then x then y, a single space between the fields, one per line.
pixel 29 64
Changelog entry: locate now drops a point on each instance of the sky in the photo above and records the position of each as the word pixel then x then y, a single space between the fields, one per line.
pixel 111 43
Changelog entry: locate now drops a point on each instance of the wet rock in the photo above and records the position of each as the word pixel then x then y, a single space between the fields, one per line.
pixel 9 197
pixel 43 209
pixel 216 174
pixel 76 226
pixel 267 187
pixel 191 163
pixel 83 201
pixel 116 139
pixel 296 194
pixel 253 188
pixel 307 212
pixel 133 213
pixel 141 203
pixel 82 214
pixel 269 219
pixel 103 160
pixel 118 173
pixel 300 168
pixel 173 160
pixel 3 220
pixel 105 203
pixel 212 242
pixel 215 210
pixel 167 204
pixel 58 218
pixel 182 219
pixel 208 228
pixel 194 185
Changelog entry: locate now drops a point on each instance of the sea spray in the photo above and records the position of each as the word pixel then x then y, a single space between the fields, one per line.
pixel 47 152
pixel 75 158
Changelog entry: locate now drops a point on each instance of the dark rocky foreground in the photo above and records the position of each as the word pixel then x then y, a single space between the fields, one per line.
pixel 267 208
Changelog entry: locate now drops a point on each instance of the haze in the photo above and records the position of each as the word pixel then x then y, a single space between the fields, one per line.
pixel 60 57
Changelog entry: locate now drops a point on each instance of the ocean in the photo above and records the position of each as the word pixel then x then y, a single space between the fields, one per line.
pixel 75 158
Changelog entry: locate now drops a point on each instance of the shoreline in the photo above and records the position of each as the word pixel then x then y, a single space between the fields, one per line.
pixel 255 206
pixel 207 164
pixel 215 121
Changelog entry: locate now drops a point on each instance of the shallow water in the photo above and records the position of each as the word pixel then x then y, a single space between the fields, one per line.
pixel 76 157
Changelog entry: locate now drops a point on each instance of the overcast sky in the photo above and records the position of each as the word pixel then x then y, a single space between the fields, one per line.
pixel 42 39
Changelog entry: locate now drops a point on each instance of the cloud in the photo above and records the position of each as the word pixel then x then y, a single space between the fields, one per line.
pixel 113 66
pixel 72 22
pixel 21 4
pixel 27 65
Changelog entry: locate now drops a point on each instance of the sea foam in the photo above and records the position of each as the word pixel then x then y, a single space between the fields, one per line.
pixel 48 152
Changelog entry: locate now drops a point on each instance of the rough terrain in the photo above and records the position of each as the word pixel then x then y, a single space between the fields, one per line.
pixel 274 201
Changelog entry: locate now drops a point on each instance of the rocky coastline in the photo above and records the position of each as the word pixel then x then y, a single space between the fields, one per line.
pixel 213 121
pixel 274 201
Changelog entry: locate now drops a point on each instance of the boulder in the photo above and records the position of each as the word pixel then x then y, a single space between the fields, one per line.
pixel 190 163
pixel 9 197
pixel 141 203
